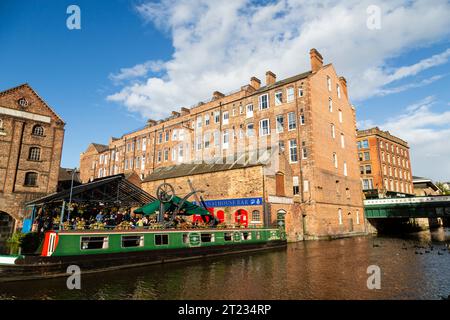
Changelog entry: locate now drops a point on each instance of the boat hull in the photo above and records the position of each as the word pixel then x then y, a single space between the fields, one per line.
pixel 39 267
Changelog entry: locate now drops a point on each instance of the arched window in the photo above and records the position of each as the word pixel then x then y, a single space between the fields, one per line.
pixel 34 154
pixel 38 130
pixel 31 179
pixel 256 216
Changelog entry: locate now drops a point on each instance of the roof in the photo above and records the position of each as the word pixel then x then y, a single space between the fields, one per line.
pixel 65 174
pixel 284 81
pixel 114 189
pixel 26 85
pixel 100 147
pixel 243 160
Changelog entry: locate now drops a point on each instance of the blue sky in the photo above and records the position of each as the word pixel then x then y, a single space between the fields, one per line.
pixel 133 60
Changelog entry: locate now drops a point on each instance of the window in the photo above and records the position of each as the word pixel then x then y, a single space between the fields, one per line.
pixel 290 94
pixel 357 216
pixel 295 185
pixel 368 169
pixel 34 154
pixel 207 237
pixel 159 156
pixel 249 110
pixel 280 123
pixel 330 105
pixel 31 179
pixel 335 161
pixel 300 91
pixel 132 241
pixel 333 131
pixel 37 130
pixel 250 130
pixel 246 236
pixel 304 151
pixel 90 243
pixel 227 236
pixel 207 140
pixel 329 83
pixel 293 150
pixel 131 163
pixel 281 145
pixel 226 138
pixel 345 168
pixel 217 116
pixel 340 116
pixel 180 152
pixel 338 89
pixel 226 116
pixel 206 119
pixel 360 156
pixel 126 164
pixel 199 121
pixel 167 136
pixel 160 137
pixel 256 216
pixel 264 127
pixel 340 216
pixel 366 156
pixel 166 154
pixel 302 119
pixel 305 186
pixel 364 144
pixel 198 145
pixel 292 123
pixel 342 141
pixel 278 98
pixel 382 156
pixel 161 239
pixel 367 184
pixel 263 101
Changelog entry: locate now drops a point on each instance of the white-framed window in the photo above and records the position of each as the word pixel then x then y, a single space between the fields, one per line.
pixel 335 160
pixel 144 143
pixel 340 116
pixel 338 89
pixel 181 134
pixel 216 136
pixel 250 130
pixel 126 164
pixel 206 140
pixel 342 141
pixel 290 94
pixel 180 152
pixel 278 98
pixel 216 116
pixel 198 144
pixel 226 139
pixel 159 158
pixel 241 109
pixel 166 154
pixel 302 119
pixel 226 116
pixel 263 101
pixel 367 184
pixel 333 131
pixel 292 123
pixel 233 112
pixel 357 216
pixel 329 83
pixel 102 159
pixel 300 91
pixel 293 155
pixel 199 121
pixel 330 104
pixel 167 136
pixel 206 119
pixel 305 186
pixel 131 163
pixel 249 108
pixel 340 216
pixel 280 123
pixel 345 168
pixel 295 185
pixel 264 127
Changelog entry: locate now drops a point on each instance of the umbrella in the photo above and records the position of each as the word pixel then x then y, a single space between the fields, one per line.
pixel 188 208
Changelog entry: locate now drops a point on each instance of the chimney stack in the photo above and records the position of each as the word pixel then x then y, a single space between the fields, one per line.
pixel 255 83
pixel 151 122
pixel 270 78
pixel 185 111
pixel 316 60
pixel 217 95
pixel 175 114
pixel 343 84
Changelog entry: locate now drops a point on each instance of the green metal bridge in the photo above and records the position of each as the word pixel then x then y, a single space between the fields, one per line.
pixel 417 207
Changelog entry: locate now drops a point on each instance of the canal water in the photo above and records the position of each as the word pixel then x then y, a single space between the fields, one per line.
pixel 416 266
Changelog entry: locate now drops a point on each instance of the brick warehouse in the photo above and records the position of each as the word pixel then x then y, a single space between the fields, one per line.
pixel 385 165
pixel 31 140
pixel 309 113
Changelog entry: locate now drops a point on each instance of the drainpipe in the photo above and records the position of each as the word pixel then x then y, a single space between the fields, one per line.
pixel 18 157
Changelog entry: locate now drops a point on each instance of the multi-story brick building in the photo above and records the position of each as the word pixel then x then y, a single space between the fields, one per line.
pixel 31 140
pixel 385 165
pixel 309 114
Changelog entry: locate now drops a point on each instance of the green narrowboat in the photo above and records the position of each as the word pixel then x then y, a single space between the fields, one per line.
pixel 99 250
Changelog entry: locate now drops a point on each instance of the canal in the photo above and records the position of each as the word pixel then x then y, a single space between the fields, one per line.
pixel 416 266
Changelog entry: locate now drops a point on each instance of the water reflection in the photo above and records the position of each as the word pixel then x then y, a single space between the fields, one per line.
pixel 307 270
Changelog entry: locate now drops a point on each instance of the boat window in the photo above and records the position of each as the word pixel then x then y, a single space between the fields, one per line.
pixel 88 243
pixel 227 236
pixel 246 236
pixel 207 237
pixel 161 239
pixel 132 241
pixel 258 235
pixel 185 238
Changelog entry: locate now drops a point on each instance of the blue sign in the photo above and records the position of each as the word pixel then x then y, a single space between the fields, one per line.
pixel 233 202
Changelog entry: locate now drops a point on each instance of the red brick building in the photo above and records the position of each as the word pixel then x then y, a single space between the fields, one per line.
pixel 308 115
pixel 385 165
pixel 31 140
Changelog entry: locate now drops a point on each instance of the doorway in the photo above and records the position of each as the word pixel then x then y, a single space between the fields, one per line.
pixel 241 217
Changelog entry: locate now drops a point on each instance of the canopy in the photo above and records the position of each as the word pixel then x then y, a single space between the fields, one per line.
pixel 188 208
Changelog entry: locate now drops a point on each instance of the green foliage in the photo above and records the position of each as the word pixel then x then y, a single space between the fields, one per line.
pixel 16 238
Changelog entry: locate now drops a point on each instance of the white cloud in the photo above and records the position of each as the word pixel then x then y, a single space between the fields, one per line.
pixel 138 71
pixel 219 45
pixel 427 133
